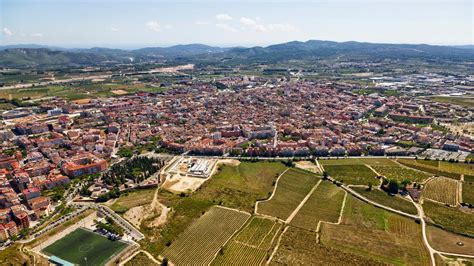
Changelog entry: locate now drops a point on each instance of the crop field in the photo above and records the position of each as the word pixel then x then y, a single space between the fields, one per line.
pixel 441 189
pixel 351 174
pixel 252 245
pixel 299 247
pixel 401 173
pixel 323 205
pixel 468 192
pixel 200 242
pixel 354 161
pixel 388 200
pixel 450 218
pixel 82 243
pixel 292 187
pixel 248 182
pixel 377 234
pixel 446 241
pixel 133 199
pixel 452 170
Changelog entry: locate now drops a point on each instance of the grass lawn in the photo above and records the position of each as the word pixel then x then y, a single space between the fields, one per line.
pixel 387 200
pixel 377 234
pixel 323 205
pixel 446 241
pixel 204 238
pixel 292 187
pixel 401 173
pixel 449 218
pixel 133 199
pixel 352 174
pixel 82 243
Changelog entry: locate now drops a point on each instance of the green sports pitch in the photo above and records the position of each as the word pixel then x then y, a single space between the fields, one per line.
pixel 81 244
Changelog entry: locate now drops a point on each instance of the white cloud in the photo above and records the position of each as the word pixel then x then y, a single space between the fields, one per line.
pixel 7 32
pixel 168 27
pixel 153 25
pixel 226 27
pixel 39 35
pixel 252 24
pixel 223 17
pixel 114 29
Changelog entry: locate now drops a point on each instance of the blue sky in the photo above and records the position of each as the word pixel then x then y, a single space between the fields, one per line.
pixel 132 24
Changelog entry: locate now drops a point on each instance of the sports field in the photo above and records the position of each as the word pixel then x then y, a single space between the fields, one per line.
pixel 81 244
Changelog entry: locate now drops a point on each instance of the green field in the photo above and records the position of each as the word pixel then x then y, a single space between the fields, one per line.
pixel 233 186
pixel 447 169
pixel 384 198
pixel 204 238
pixel 351 174
pixel 133 199
pixel 299 247
pixel 400 173
pixel 359 161
pixel 82 243
pixel 468 193
pixel 292 187
pixel 252 245
pixel 377 234
pixel 449 218
pixel 323 205
pixel 463 101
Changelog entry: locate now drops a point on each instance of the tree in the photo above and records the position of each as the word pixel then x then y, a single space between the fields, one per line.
pixel 370 186
pixel 164 262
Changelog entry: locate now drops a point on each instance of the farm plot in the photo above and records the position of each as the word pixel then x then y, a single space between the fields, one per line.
pixel 449 242
pixel 432 167
pixel 384 198
pixel 377 234
pixel 291 189
pixel 449 218
pixel 401 173
pixel 351 174
pixel 323 205
pixel 441 189
pixel 252 245
pixel 354 161
pixel 204 238
pixel 468 193
pixel 299 247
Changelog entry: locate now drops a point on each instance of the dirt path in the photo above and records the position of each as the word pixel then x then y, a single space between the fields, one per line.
pixel 273 193
pixel 293 214
pixel 277 245
pixel 431 250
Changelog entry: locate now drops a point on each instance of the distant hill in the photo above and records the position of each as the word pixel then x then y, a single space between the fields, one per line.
pixel 37 56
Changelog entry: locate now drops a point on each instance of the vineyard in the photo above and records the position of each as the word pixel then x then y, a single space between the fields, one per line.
pixel 200 242
pixel 384 198
pixel 468 192
pixel 433 167
pixel 359 161
pixel 441 189
pixel 293 186
pixel 374 233
pixel 252 245
pixel 351 174
pixel 323 205
pixel 449 218
pixel 401 173
pixel 299 247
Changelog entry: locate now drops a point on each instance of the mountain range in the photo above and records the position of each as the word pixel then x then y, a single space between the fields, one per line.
pixel 21 56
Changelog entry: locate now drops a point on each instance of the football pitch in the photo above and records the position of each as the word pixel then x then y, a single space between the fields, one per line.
pixel 81 245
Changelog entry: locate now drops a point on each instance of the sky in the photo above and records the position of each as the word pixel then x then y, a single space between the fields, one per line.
pixel 133 24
